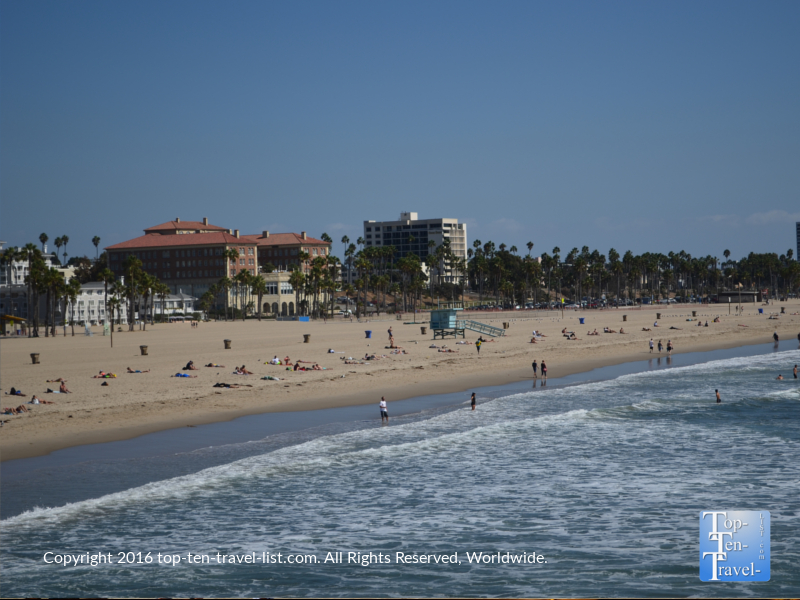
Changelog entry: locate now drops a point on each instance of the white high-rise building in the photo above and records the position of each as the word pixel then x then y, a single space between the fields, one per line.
pixel 410 234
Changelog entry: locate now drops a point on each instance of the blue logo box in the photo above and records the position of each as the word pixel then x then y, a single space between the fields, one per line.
pixel 734 545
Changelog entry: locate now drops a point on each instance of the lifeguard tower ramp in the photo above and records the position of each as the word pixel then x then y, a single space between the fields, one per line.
pixel 490 330
pixel 445 323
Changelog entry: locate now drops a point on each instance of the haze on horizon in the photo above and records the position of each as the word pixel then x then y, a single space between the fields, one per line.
pixel 642 126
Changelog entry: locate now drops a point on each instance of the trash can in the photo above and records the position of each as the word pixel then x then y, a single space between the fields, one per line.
pixel 306 337
pixel 581 320
pixel 35 358
pixel 369 334
pixel 694 313
pixel 424 330
pixel 783 310
pixel 143 350
pixel 761 311
pixel 227 344
pixel 505 325
pixel 624 317
pixel 658 316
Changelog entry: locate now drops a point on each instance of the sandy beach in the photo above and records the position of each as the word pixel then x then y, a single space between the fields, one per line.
pixel 135 404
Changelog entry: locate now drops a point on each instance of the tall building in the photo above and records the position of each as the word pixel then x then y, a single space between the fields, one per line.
pixel 412 234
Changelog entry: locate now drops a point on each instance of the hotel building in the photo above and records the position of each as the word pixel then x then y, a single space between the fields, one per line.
pixel 410 234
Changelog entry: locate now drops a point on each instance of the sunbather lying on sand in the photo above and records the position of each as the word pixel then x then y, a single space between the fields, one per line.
pixel 132 371
pixel 398 351
pixel 15 392
pixel 242 371
pixel 227 385
pixel 56 380
pixel 184 375
pixel 595 332
pixel 646 329
pixel 61 390
pixel 673 327
pixel 215 365
pixel 466 343
pixel 15 411
pixel 36 400
pixel 447 350
pixel 104 375
pixel 271 378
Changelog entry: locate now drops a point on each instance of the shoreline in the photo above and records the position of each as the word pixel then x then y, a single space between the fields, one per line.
pixel 365 387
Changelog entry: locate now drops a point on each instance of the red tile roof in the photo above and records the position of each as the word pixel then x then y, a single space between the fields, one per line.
pixel 188 239
pixel 285 239
pixel 175 225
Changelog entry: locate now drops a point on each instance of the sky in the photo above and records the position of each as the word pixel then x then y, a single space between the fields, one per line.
pixel 643 126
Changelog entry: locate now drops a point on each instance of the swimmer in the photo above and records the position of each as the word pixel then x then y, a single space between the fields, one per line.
pixel 719 400
pixel 779 378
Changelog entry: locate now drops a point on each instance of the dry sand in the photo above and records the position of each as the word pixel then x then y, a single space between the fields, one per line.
pixel 133 405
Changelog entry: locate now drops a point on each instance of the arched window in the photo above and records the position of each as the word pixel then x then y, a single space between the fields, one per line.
pixel 284 310
pixel 291 309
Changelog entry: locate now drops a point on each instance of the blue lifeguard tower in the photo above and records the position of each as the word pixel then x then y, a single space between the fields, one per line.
pixel 445 323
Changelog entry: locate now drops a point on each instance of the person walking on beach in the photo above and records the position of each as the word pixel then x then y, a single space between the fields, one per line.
pixel 536 367
pixel 473 400
pixel 651 345
pixel 669 347
pixel 384 410
pixel 478 345
pixel 775 337
pixel 660 346
pixel 544 370
pixel 391 338
pixel 719 400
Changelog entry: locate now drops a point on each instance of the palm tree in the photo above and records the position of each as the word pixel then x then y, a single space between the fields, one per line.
pixel 96 242
pixel 73 291
pixel 58 243
pixel 64 242
pixel 297 280
pixel 43 238
pixel 259 287
pixel 132 267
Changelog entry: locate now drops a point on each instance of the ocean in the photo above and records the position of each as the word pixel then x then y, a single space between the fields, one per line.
pixel 601 476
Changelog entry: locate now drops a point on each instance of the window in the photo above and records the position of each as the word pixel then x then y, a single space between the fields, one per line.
pixel 286 288
pixel 315 250
pixel 250 251
pixel 241 261
pixel 369 228
pixel 251 261
pixel 377 229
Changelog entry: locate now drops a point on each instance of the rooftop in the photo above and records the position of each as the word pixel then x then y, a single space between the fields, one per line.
pixel 284 239
pixel 196 239
pixel 172 227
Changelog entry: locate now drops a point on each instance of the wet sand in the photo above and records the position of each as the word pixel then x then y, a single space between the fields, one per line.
pixel 135 404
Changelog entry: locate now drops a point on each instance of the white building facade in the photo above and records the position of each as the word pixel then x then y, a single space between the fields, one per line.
pixel 410 234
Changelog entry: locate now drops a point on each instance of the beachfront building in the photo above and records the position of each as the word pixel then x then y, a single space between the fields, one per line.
pixel 14 272
pixel 187 255
pixel 280 299
pixel 412 234
pixel 282 250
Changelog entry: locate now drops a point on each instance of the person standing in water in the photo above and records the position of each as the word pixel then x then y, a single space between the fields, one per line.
pixel 384 410
pixel 795 371
pixel 473 400
pixel 536 367
pixel 719 400
pixel 544 370
pixel 651 345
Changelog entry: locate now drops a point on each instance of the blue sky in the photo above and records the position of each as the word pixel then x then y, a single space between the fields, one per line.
pixel 639 125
